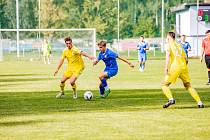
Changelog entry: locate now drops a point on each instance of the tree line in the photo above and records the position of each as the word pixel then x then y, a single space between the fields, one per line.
pixel 137 17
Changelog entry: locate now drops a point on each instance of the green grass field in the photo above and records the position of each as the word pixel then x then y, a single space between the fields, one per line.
pixel 29 110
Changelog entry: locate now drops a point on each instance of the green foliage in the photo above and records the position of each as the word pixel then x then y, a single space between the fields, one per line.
pixel 137 17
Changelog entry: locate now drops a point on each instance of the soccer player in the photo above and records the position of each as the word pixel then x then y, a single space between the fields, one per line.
pixel 185 44
pixel 205 49
pixel 74 68
pixel 109 58
pixel 176 67
pixel 142 55
pixel 46 47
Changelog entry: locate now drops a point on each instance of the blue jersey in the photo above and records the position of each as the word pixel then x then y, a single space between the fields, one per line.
pixel 109 58
pixel 142 46
pixel 186 46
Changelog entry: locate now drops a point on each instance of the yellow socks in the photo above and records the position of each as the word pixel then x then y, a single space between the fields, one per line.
pixel 74 88
pixel 167 92
pixel 62 85
pixel 194 94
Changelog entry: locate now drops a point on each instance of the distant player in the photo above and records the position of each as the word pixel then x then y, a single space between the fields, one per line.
pixel 47 48
pixel 74 68
pixel 185 44
pixel 142 54
pixel 109 57
pixel 176 67
pixel 205 49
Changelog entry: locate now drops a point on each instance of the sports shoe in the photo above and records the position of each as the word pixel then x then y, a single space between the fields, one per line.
pixel 60 95
pixel 208 83
pixel 107 91
pixel 100 97
pixel 141 70
pixel 201 106
pixel 74 95
pixel 170 102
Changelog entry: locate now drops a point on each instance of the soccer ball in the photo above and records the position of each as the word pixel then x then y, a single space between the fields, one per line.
pixel 88 95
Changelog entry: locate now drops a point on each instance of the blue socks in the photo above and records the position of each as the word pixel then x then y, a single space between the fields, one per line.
pixel 143 66
pixel 104 83
pixel 102 87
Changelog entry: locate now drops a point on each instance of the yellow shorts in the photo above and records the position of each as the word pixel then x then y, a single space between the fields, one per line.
pixel 174 74
pixel 73 72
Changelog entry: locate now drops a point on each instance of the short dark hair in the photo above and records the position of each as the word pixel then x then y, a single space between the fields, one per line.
pixel 102 43
pixel 208 31
pixel 142 36
pixel 172 34
pixel 68 39
pixel 183 35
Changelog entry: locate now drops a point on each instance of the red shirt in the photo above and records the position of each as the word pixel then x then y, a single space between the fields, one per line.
pixel 206 46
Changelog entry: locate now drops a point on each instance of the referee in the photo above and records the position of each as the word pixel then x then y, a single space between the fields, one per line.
pixel 205 49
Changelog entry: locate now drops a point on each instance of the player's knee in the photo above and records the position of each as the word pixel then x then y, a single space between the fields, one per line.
pixel 165 84
pixel 101 76
pixel 187 85
pixel 72 83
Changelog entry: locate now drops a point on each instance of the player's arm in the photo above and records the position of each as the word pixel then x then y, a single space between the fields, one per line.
pixel 95 62
pixel 189 47
pixel 126 61
pixel 147 47
pixel 87 55
pixel 202 51
pixel 138 47
pixel 167 62
pixel 59 66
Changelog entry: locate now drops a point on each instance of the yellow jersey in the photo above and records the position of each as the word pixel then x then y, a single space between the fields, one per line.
pixel 177 55
pixel 73 57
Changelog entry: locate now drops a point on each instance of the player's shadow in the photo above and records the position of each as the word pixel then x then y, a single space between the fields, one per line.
pixel 23 103
pixel 23 79
pixel 188 107
pixel 19 75
pixel 25 122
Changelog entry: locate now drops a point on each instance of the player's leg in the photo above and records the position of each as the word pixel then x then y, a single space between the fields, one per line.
pixel 48 59
pixel 103 86
pixel 73 79
pixel 186 82
pixel 170 78
pixel 194 94
pixel 144 59
pixel 139 59
pixel 101 90
pixel 140 63
pixel 168 94
pixel 75 74
pixel 207 60
pixel 44 57
pixel 62 85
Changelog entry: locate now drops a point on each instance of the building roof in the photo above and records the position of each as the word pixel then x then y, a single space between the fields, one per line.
pixel 186 6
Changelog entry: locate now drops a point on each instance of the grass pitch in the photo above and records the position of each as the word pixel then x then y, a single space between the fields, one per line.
pixel 29 110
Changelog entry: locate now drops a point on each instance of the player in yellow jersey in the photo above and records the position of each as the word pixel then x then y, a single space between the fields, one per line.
pixel 176 67
pixel 74 68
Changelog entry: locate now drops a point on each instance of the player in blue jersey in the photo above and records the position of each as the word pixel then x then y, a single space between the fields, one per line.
pixel 142 54
pixel 185 44
pixel 109 58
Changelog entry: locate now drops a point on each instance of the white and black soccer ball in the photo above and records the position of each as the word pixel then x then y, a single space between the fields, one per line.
pixel 88 95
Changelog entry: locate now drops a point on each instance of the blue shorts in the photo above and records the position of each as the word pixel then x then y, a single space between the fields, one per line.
pixel 142 57
pixel 111 73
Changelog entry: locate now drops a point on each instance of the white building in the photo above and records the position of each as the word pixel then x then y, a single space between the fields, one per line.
pixel 187 24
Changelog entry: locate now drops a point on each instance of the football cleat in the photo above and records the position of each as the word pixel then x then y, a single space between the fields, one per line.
pixel 60 95
pixel 170 102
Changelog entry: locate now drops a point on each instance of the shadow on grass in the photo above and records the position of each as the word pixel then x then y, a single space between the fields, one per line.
pixel 15 75
pixel 20 103
pixel 24 79
pixel 25 122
